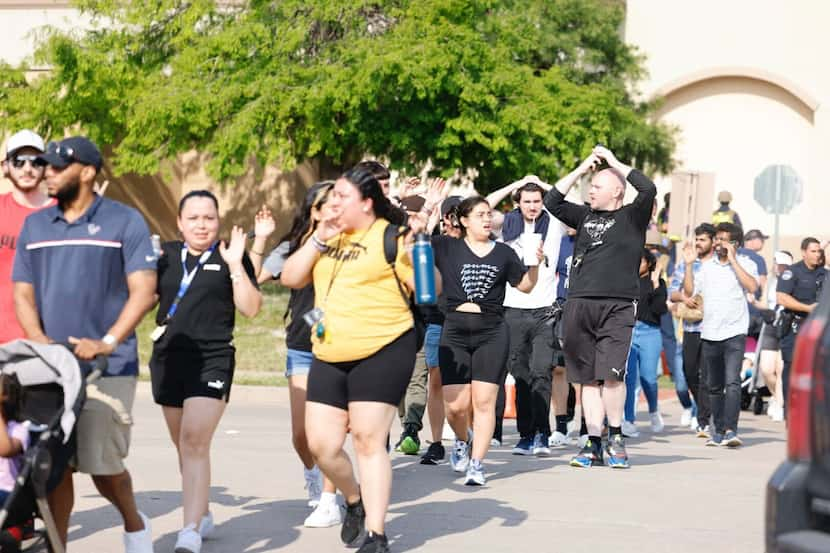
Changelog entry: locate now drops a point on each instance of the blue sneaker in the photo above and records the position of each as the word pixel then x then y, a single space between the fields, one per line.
pixel 524 447
pixel 587 457
pixel 616 454
pixel 540 445
pixel 731 439
pixel 716 440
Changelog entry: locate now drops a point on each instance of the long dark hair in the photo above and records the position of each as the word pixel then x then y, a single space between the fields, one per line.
pixel 303 225
pixel 369 187
pixel 466 207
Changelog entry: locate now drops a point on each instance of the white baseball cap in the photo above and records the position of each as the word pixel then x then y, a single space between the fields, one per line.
pixel 24 139
pixel 783 258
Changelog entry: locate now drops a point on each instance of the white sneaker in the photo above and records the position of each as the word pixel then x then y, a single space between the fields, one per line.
pixel 582 441
pixel 314 485
pixel 557 439
pixel 494 442
pixel 776 413
pixel 657 424
pixel 686 417
pixel 206 526
pixel 771 405
pixel 573 427
pixel 693 424
pixel 325 515
pixel 140 541
pixel 629 430
pixel 475 474
pixel 189 540
pixel 459 457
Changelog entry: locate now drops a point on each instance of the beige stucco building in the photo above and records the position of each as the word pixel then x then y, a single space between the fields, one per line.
pixel 744 82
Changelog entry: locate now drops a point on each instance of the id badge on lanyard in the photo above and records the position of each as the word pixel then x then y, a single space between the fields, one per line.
pixel 184 285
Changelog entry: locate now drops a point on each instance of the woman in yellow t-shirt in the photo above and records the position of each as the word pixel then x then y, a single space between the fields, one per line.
pixel 363 342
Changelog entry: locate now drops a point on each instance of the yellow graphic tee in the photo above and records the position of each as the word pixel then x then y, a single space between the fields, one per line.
pixel 363 309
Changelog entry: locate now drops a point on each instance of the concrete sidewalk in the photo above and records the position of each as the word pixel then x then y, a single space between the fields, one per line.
pixel 679 496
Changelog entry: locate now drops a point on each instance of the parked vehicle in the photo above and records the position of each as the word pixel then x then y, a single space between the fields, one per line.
pixel 798 493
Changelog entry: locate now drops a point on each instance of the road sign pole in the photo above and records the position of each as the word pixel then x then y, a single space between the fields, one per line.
pixel 777 210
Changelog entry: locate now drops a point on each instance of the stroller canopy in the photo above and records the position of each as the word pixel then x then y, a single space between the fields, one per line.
pixel 36 363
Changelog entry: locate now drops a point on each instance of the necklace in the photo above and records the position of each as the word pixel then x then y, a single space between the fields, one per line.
pixel 320 327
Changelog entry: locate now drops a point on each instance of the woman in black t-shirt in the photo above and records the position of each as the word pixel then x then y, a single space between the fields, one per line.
pixel 202 282
pixel 475 342
pixel 321 491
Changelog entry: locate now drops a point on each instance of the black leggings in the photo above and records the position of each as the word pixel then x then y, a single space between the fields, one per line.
pixel 474 346
pixel 696 375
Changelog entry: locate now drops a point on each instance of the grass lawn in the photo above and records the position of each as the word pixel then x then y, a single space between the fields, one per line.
pixel 260 342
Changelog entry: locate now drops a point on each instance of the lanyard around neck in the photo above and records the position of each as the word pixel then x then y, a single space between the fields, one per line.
pixel 187 278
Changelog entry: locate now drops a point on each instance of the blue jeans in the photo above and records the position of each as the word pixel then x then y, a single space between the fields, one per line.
pixel 674 358
pixel 642 367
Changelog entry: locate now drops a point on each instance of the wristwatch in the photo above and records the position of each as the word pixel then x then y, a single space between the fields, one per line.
pixel 110 340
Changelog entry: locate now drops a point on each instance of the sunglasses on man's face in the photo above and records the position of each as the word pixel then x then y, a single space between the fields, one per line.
pixel 19 161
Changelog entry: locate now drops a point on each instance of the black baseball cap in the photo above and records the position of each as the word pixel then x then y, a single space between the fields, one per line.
pixel 755 233
pixel 75 149
pixel 448 204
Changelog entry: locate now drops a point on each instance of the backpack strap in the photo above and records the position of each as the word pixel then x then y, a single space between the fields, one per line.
pixel 390 251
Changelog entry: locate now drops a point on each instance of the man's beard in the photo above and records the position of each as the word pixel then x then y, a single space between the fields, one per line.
pixel 68 193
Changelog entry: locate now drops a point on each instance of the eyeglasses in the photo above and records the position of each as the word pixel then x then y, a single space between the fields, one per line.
pixel 19 161
pixel 66 153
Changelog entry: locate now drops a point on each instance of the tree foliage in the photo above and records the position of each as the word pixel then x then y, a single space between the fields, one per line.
pixel 505 86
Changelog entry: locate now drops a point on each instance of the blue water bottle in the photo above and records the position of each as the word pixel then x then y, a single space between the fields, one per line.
pixel 424 262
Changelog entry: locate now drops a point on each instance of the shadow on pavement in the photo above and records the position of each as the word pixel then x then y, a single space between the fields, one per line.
pixel 428 521
pixel 260 527
pixel 152 503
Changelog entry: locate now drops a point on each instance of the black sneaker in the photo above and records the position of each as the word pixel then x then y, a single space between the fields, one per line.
pixel 616 454
pixel 354 524
pixel 434 455
pixel 375 543
pixel 409 443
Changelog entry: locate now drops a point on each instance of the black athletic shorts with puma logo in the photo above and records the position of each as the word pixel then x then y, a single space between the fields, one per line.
pixel 597 338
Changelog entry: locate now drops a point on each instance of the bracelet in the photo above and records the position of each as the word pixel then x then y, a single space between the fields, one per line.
pixel 426 209
pixel 253 251
pixel 235 277
pixel 321 247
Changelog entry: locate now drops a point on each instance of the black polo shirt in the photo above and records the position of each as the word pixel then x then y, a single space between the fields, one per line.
pixel 205 316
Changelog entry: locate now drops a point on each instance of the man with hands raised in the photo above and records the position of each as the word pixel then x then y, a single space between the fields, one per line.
pixel 604 287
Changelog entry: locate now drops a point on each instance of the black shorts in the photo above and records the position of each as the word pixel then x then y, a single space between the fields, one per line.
pixel 181 374
pixel 474 346
pixel 382 377
pixel 597 338
pixel 769 339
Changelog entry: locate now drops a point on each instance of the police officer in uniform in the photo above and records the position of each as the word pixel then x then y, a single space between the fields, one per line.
pixel 798 291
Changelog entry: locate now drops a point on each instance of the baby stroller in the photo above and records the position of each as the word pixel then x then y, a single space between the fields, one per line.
pixel 54 393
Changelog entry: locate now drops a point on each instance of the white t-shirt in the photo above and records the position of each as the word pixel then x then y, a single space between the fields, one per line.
pixel 725 310
pixel 544 293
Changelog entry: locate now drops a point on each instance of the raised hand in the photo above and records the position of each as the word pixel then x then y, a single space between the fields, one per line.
pixel 264 224
pixel 232 253
pixel 409 186
pixel 689 253
pixel 589 163
pixel 437 192
pixel 604 153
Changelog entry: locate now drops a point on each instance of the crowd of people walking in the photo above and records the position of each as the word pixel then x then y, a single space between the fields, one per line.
pixel 575 302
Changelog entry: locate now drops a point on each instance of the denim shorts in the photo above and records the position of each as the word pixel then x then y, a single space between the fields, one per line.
pixel 432 340
pixel 297 362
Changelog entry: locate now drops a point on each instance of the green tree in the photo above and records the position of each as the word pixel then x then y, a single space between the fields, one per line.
pixel 505 86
